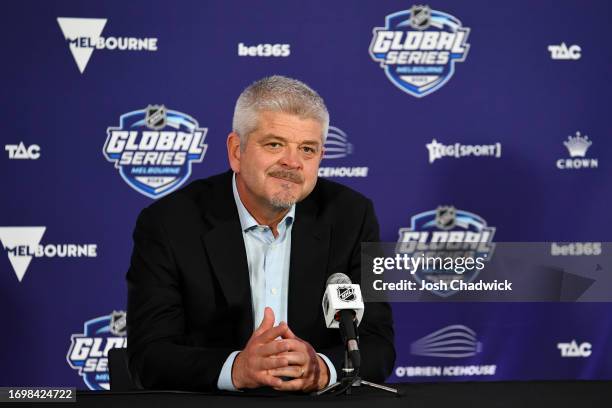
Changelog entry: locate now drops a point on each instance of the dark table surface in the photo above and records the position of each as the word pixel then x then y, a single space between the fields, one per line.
pixel 574 394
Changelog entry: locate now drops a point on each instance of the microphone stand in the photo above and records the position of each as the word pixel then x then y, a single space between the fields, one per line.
pixel 352 362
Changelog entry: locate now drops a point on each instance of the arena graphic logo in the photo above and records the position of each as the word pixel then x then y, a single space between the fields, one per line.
pixel 88 353
pixel 446 232
pixel 154 148
pixel 418 48
pixel 454 341
pixel 457 342
pixel 338 146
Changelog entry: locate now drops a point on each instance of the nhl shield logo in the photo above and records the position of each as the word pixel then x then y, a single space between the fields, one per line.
pixel 155 117
pixel 346 293
pixel 420 17
pixel 118 323
pixel 445 217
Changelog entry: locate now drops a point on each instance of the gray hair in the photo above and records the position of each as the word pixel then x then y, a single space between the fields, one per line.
pixel 277 94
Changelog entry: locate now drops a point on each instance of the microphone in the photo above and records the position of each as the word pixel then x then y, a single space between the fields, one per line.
pixel 343 309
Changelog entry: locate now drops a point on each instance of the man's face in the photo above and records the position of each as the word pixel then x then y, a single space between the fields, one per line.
pixel 279 164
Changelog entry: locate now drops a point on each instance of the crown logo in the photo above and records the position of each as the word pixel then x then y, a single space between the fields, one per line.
pixel 578 145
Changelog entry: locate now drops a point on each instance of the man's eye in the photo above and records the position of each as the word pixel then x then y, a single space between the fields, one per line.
pixel 309 150
pixel 273 145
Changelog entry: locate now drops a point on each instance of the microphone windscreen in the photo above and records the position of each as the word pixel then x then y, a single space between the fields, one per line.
pixel 338 279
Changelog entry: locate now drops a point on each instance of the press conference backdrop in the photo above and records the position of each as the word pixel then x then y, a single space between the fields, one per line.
pixel 498 110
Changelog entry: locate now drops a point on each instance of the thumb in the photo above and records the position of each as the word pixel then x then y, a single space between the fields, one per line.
pixel 268 320
pixel 289 334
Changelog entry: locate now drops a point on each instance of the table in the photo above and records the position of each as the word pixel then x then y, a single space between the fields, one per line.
pixel 574 394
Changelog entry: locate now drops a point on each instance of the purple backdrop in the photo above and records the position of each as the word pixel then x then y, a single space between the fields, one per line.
pixel 510 90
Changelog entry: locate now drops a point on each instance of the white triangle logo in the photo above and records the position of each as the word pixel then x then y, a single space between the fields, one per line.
pixel 12 237
pixel 74 28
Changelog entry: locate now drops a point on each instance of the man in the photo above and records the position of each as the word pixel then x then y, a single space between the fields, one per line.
pixel 227 274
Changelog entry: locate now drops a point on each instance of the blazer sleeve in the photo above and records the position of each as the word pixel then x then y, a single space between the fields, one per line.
pixel 160 354
pixel 376 336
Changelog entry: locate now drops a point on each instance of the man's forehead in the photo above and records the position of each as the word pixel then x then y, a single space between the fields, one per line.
pixel 288 127
pixel 314 139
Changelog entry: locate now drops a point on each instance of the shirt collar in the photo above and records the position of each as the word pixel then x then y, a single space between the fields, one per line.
pixel 247 222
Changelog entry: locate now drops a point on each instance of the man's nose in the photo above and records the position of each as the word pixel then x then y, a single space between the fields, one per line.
pixel 291 157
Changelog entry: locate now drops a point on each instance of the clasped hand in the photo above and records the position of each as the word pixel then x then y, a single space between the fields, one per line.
pixel 273 352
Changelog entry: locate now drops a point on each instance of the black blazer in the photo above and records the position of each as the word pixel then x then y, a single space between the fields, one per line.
pixel 189 296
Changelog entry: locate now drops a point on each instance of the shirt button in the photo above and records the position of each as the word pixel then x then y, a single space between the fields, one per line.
pixel 273 290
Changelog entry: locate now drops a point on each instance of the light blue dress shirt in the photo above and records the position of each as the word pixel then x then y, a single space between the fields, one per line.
pixel 268 261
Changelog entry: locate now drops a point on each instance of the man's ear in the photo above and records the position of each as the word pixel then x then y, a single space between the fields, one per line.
pixel 233 151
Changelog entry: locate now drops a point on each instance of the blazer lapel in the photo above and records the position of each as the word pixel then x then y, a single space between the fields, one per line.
pixel 225 248
pixel 310 240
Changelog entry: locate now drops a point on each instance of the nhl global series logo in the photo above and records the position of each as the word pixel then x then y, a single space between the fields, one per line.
pixel 446 232
pixel 88 352
pixel 418 48
pixel 153 148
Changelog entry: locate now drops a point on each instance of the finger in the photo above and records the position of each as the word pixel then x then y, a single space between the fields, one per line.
pixel 296 345
pixel 269 380
pixel 296 358
pixel 271 363
pixel 272 348
pixel 290 371
pixel 272 333
pixel 267 321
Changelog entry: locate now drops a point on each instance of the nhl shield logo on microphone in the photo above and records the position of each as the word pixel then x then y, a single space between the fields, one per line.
pixel 346 293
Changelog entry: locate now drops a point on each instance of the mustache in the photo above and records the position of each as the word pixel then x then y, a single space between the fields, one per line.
pixel 287 175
